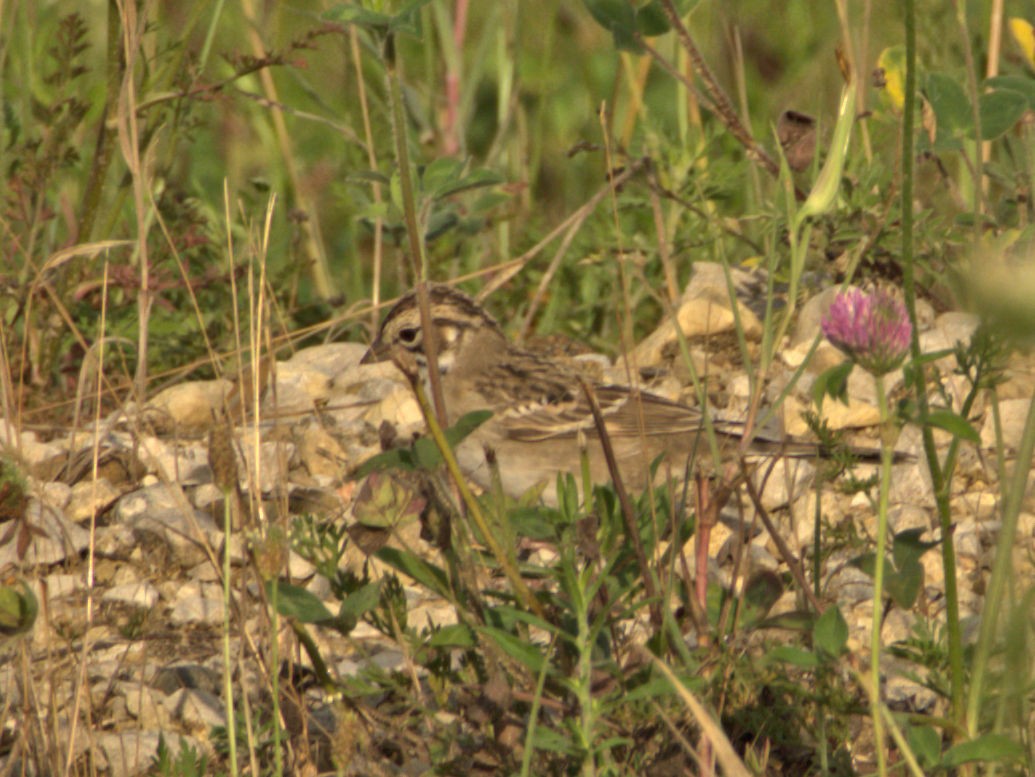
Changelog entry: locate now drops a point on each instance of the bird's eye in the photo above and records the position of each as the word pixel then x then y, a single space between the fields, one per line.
pixel 409 335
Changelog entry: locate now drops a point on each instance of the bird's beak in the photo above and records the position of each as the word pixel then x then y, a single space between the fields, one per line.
pixel 377 352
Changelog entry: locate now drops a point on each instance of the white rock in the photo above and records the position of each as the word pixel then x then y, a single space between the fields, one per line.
pixel 185 464
pixel 141 594
pixel 1012 414
pixel 163 512
pixel 62 584
pixel 274 458
pixel 329 359
pixel 197 609
pixel 127 753
pixel 90 498
pixel 196 709
pixel 145 705
pixel 189 406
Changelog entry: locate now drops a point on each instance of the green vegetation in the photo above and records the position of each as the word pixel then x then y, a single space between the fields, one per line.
pixel 188 187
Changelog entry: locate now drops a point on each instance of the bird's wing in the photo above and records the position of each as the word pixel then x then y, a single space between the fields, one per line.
pixel 626 413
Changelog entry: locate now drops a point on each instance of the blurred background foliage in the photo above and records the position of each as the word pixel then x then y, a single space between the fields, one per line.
pixel 237 102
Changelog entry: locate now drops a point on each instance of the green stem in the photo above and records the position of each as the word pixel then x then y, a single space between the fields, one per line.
pixel 886 455
pixel 1001 566
pixel 919 372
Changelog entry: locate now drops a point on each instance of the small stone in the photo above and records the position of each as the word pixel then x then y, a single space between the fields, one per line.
pixel 329 359
pixel 187 407
pixel 197 609
pixel 183 464
pixel 90 498
pixel 196 709
pixel 321 454
pixel 163 513
pixel 127 753
pixel 141 594
pixel 1012 415
pixel 145 705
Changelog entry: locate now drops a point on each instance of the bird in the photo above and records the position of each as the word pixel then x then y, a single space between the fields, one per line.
pixel 541 418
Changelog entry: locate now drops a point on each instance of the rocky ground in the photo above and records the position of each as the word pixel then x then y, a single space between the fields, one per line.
pixel 127 644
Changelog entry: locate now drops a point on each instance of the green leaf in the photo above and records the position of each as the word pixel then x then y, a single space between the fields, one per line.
pixel 907 547
pixel 537 523
pixel 951 109
pixel 830 634
pixel 456 635
pixel 386 502
pixel 903 584
pixel 904 577
pixel 624 19
pixel 406 21
pixel 518 648
pixel 1000 110
pixel 298 603
pixel 1021 84
pixel 361 601
pixel 796 620
pixel 833 383
pixel 424 454
pixel 476 179
pixel 989 747
pixel 18 609
pixel 788 654
pixel 954 424
pixel 440 172
pixel 926 744
pixel 762 591
pixel 426 574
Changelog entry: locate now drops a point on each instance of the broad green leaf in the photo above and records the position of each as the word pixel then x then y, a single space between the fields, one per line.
pixel 385 502
pixel 926 743
pixel 440 172
pixel 425 453
pixel 18 609
pixel 952 109
pixel 907 547
pixel 298 603
pixel 361 601
pixel 406 21
pixel 1000 110
pixel 954 424
pixel 527 654
pixel 1023 84
pixel 624 19
pixel 456 635
pixel 476 179
pixel 426 574
pixel 537 523
pixel 833 383
pixel 989 747
pixel 903 584
pixel 545 738
pixel 830 634
pixel 788 654
pixel 762 591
